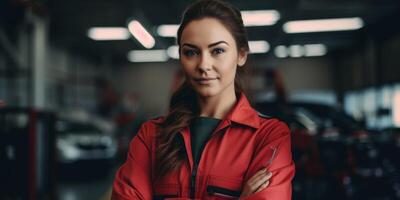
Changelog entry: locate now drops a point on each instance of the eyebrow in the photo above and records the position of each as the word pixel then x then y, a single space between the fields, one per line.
pixel 210 45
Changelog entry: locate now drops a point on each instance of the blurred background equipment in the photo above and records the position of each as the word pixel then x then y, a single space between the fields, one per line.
pixel 27 154
pixel 336 156
pixel 78 78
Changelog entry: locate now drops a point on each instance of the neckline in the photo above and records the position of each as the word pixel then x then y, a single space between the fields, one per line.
pixel 208 118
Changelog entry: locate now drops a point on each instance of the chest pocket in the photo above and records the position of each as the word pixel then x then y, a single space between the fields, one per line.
pixel 219 187
pixel 166 191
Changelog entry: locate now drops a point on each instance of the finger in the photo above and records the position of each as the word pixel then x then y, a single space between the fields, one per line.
pixel 262 178
pixel 260 172
pixel 257 175
pixel 262 187
pixel 254 186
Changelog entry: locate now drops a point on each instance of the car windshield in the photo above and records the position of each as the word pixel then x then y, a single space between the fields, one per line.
pixel 310 115
pixel 335 117
pixel 64 127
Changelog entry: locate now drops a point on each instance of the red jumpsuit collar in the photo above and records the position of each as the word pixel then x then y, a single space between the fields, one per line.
pixel 243 113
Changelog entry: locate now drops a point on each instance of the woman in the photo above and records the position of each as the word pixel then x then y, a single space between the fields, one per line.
pixel 212 144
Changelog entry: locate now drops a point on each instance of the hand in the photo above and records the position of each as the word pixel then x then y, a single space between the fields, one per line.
pixel 259 181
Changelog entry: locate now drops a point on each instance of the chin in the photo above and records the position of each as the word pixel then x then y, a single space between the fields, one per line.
pixel 206 92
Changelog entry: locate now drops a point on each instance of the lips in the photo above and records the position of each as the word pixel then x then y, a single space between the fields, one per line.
pixel 204 81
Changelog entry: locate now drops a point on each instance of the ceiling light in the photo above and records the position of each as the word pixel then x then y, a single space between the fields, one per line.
pixel 321 25
pixel 281 51
pixel 396 108
pixel 168 30
pixel 260 17
pixel 141 34
pixel 147 56
pixel 108 33
pixel 259 46
pixel 296 51
pixel 173 52
pixel 314 50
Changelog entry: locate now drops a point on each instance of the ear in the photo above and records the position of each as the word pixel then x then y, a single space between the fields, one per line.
pixel 242 57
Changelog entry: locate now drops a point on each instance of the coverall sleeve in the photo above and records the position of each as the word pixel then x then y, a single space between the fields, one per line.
pixel 274 153
pixel 133 178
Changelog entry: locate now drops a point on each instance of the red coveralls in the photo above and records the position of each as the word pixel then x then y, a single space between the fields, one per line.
pixel 243 143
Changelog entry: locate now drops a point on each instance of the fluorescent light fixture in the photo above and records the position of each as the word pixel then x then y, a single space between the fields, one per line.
pixel 108 33
pixel 173 52
pixel 260 17
pixel 147 56
pixel 314 50
pixel 296 51
pixel 141 34
pixel 396 108
pixel 259 46
pixel 281 51
pixel 168 30
pixel 322 25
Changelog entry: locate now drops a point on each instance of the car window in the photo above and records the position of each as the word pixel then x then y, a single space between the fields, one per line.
pixel 65 127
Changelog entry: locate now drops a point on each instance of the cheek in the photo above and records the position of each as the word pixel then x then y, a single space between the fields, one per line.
pixel 228 66
pixel 186 66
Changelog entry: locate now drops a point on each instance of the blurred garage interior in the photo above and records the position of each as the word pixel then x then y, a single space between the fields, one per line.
pixel 77 79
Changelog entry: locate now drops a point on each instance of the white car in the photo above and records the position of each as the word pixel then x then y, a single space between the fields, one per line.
pixel 83 141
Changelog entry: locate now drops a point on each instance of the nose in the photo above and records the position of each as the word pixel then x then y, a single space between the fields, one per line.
pixel 205 63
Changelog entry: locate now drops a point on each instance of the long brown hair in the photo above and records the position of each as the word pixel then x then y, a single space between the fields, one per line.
pixel 183 107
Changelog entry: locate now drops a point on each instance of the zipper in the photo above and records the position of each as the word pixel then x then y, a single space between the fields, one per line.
pixel 194 171
pixel 193 182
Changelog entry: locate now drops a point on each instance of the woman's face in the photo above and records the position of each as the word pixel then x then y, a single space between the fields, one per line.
pixel 209 57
